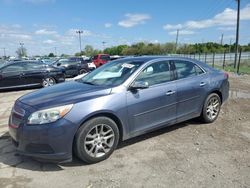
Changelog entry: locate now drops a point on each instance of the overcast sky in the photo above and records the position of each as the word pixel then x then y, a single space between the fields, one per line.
pixel 43 25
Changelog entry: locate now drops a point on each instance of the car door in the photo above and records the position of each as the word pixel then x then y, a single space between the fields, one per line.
pixel 34 73
pixel 12 76
pixel 156 105
pixel 191 83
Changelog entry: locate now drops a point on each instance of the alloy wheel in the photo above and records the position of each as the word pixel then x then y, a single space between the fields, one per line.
pixel 99 140
pixel 213 107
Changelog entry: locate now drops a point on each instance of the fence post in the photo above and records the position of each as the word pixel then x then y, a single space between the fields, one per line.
pixel 199 56
pixel 194 55
pixel 224 59
pixel 213 59
pixel 206 57
pixel 238 66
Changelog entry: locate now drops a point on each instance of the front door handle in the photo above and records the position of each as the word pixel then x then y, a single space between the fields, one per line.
pixel 170 93
pixel 21 74
pixel 202 84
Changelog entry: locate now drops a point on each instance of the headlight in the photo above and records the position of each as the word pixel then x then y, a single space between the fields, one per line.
pixel 49 115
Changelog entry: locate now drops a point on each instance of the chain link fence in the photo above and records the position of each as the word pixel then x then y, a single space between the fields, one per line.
pixel 224 61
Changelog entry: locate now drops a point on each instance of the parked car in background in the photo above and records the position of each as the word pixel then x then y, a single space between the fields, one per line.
pixel 29 74
pixel 89 65
pixel 74 66
pixel 100 59
pixel 120 100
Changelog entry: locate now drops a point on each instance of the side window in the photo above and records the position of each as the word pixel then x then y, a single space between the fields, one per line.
pixel 186 69
pixel 13 68
pixel 34 66
pixel 155 73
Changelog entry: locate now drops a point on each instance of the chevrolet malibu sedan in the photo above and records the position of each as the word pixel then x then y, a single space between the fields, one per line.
pixel 120 100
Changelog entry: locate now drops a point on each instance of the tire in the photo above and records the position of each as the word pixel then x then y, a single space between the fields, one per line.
pixel 49 81
pixel 96 140
pixel 83 71
pixel 211 108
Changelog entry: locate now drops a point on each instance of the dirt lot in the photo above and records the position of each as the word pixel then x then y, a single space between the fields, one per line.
pixel 189 154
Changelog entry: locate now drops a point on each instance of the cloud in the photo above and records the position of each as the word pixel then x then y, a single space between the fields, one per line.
pixel 108 25
pixel 182 32
pixel 227 28
pixel 172 27
pixel 225 18
pixel 133 20
pixel 45 32
pixel 49 41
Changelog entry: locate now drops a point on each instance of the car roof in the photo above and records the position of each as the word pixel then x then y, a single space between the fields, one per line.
pixel 145 59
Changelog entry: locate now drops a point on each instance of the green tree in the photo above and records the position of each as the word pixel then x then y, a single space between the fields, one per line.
pixel 51 55
pixel 21 52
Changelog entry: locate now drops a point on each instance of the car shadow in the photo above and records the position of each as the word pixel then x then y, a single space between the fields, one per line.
pixel 9 157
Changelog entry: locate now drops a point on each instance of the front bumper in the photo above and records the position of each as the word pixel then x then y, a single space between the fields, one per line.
pixel 49 142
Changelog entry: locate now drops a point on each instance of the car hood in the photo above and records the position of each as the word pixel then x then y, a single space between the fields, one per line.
pixel 62 94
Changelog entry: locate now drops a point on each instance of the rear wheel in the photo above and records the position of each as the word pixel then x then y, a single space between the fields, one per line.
pixel 46 82
pixel 211 108
pixel 96 139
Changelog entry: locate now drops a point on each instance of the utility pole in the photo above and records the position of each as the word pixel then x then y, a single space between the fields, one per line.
pixel 176 42
pixel 4 53
pixel 221 41
pixel 103 44
pixel 55 52
pixel 21 44
pixel 237 34
pixel 79 32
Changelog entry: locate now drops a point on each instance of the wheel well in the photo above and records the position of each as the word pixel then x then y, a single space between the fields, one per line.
pixel 111 116
pixel 218 93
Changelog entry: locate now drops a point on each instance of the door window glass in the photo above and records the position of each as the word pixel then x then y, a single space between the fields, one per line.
pixel 13 68
pixel 155 73
pixel 186 69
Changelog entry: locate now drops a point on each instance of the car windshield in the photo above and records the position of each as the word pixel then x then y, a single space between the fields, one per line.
pixel 112 74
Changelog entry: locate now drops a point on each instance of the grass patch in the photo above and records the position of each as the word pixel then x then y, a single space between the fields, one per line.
pixel 244 67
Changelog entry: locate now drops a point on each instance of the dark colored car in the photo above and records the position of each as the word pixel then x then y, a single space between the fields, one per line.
pixel 29 74
pixel 101 59
pixel 74 66
pixel 120 100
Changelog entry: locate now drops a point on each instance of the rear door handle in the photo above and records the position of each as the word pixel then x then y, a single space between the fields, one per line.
pixel 202 84
pixel 170 93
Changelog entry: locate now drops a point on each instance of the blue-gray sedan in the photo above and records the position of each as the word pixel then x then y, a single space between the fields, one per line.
pixel 120 100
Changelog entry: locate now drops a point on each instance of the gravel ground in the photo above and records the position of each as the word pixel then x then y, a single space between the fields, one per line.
pixel 189 154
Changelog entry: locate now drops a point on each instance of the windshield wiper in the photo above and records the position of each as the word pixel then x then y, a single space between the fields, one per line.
pixel 90 83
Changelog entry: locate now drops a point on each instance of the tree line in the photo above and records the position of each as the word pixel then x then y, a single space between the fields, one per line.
pixel 162 49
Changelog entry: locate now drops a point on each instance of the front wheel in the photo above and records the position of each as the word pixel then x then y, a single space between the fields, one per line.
pixel 211 108
pixel 48 82
pixel 96 139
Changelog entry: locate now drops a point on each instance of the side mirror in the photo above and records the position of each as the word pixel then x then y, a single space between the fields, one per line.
pixel 139 85
pixel 58 64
